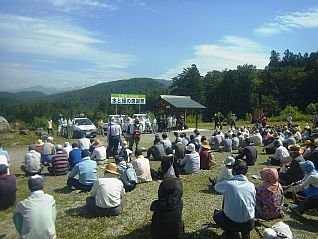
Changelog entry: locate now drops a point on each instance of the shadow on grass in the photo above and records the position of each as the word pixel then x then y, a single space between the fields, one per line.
pixel 64 190
pixel 210 190
pixel 302 223
pixel 79 212
pixel 144 233
pixel 139 233
pixel 2 236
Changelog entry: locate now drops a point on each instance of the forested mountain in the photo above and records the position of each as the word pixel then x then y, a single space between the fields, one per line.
pixel 96 98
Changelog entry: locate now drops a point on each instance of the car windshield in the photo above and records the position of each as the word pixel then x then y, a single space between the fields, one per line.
pixel 83 122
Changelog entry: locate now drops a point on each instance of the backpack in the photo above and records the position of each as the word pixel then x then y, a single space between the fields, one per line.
pixel 212 159
pixel 131 174
pixel 137 133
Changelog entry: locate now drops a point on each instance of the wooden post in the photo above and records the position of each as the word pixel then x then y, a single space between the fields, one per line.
pixel 196 119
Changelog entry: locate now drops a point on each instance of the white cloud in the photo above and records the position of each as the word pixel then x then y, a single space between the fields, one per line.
pixel 230 52
pixel 54 49
pixel 289 22
pixel 74 5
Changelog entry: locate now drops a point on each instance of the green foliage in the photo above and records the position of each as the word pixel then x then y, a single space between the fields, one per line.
pixel 311 108
pixel 39 122
pixel 248 117
pixel 295 113
pixel 191 118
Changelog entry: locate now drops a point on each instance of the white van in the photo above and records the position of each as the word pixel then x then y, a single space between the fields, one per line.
pixel 84 125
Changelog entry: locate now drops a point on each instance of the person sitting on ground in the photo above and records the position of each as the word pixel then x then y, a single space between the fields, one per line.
pixel 235 142
pixel 8 188
pixel 256 138
pixel 142 167
pixel 289 139
pixel 191 161
pixel 124 153
pixel 156 151
pixel 239 203
pixel 293 173
pixel 184 139
pixel 47 151
pixel 99 153
pixel 166 220
pixel 194 142
pixel 32 162
pixel 59 164
pixel 75 156
pixel 67 149
pixel 86 170
pixel 272 146
pixel 269 196
pixel 165 141
pixel 226 172
pixel 83 142
pixel 313 156
pixel 34 217
pixel 205 155
pixel 248 154
pixel 108 194
pixel 307 187
pixel 168 165
pixel 280 153
pixel 92 145
pixel 127 174
pixel 217 140
pixel 179 149
pixel 197 136
pixel 39 146
pixel 227 144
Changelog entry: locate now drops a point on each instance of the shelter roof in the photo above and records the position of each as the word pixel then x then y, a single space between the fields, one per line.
pixel 181 102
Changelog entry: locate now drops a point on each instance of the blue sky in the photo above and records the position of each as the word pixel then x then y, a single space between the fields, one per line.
pixel 76 43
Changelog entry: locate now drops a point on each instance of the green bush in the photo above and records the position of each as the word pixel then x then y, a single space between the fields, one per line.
pixel 39 122
pixel 295 113
pixel 311 108
pixel 248 117
pixel 191 118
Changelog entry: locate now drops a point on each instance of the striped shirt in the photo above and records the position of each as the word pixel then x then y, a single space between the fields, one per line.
pixel 60 163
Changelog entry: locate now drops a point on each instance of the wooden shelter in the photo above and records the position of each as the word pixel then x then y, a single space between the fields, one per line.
pixel 176 105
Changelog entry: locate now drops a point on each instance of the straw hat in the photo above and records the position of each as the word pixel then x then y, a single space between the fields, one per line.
pixel 205 144
pixel 39 142
pixel 295 148
pixel 97 143
pixel 111 168
pixel 276 136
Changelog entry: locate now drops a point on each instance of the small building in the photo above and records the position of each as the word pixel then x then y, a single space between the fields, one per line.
pixel 178 105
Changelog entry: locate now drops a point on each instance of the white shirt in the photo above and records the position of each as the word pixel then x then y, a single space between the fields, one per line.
pixel 256 139
pixel 114 130
pixel 108 191
pixel 67 150
pixel 99 153
pixel 142 168
pixel 84 143
pixel 280 153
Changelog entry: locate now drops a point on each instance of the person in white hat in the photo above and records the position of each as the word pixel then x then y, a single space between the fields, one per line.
pixel 108 194
pixel 226 172
pixel 191 161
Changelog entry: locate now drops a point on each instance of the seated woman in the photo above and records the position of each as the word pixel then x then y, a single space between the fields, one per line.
pixel 269 196
pixel 204 155
pixel 307 188
pixel 168 166
pixel 166 220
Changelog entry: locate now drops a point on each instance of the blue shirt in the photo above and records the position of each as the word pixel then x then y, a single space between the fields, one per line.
pixel 191 162
pixel 86 171
pixel 239 198
pixel 74 157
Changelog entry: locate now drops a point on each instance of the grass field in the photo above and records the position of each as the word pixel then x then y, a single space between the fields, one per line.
pixel 73 221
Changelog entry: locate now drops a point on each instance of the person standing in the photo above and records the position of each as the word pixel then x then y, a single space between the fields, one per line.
pixel 135 131
pixel 50 127
pixel 101 127
pixel 239 203
pixel 34 217
pixel 114 133
pixel 289 120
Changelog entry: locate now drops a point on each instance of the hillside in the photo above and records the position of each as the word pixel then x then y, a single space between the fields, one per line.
pixel 26 105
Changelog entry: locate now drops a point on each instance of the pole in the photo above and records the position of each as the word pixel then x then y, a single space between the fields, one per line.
pixel 116 109
pixel 139 108
pixel 196 119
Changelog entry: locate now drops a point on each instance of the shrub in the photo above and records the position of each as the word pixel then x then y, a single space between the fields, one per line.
pixel 39 122
pixel 295 113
